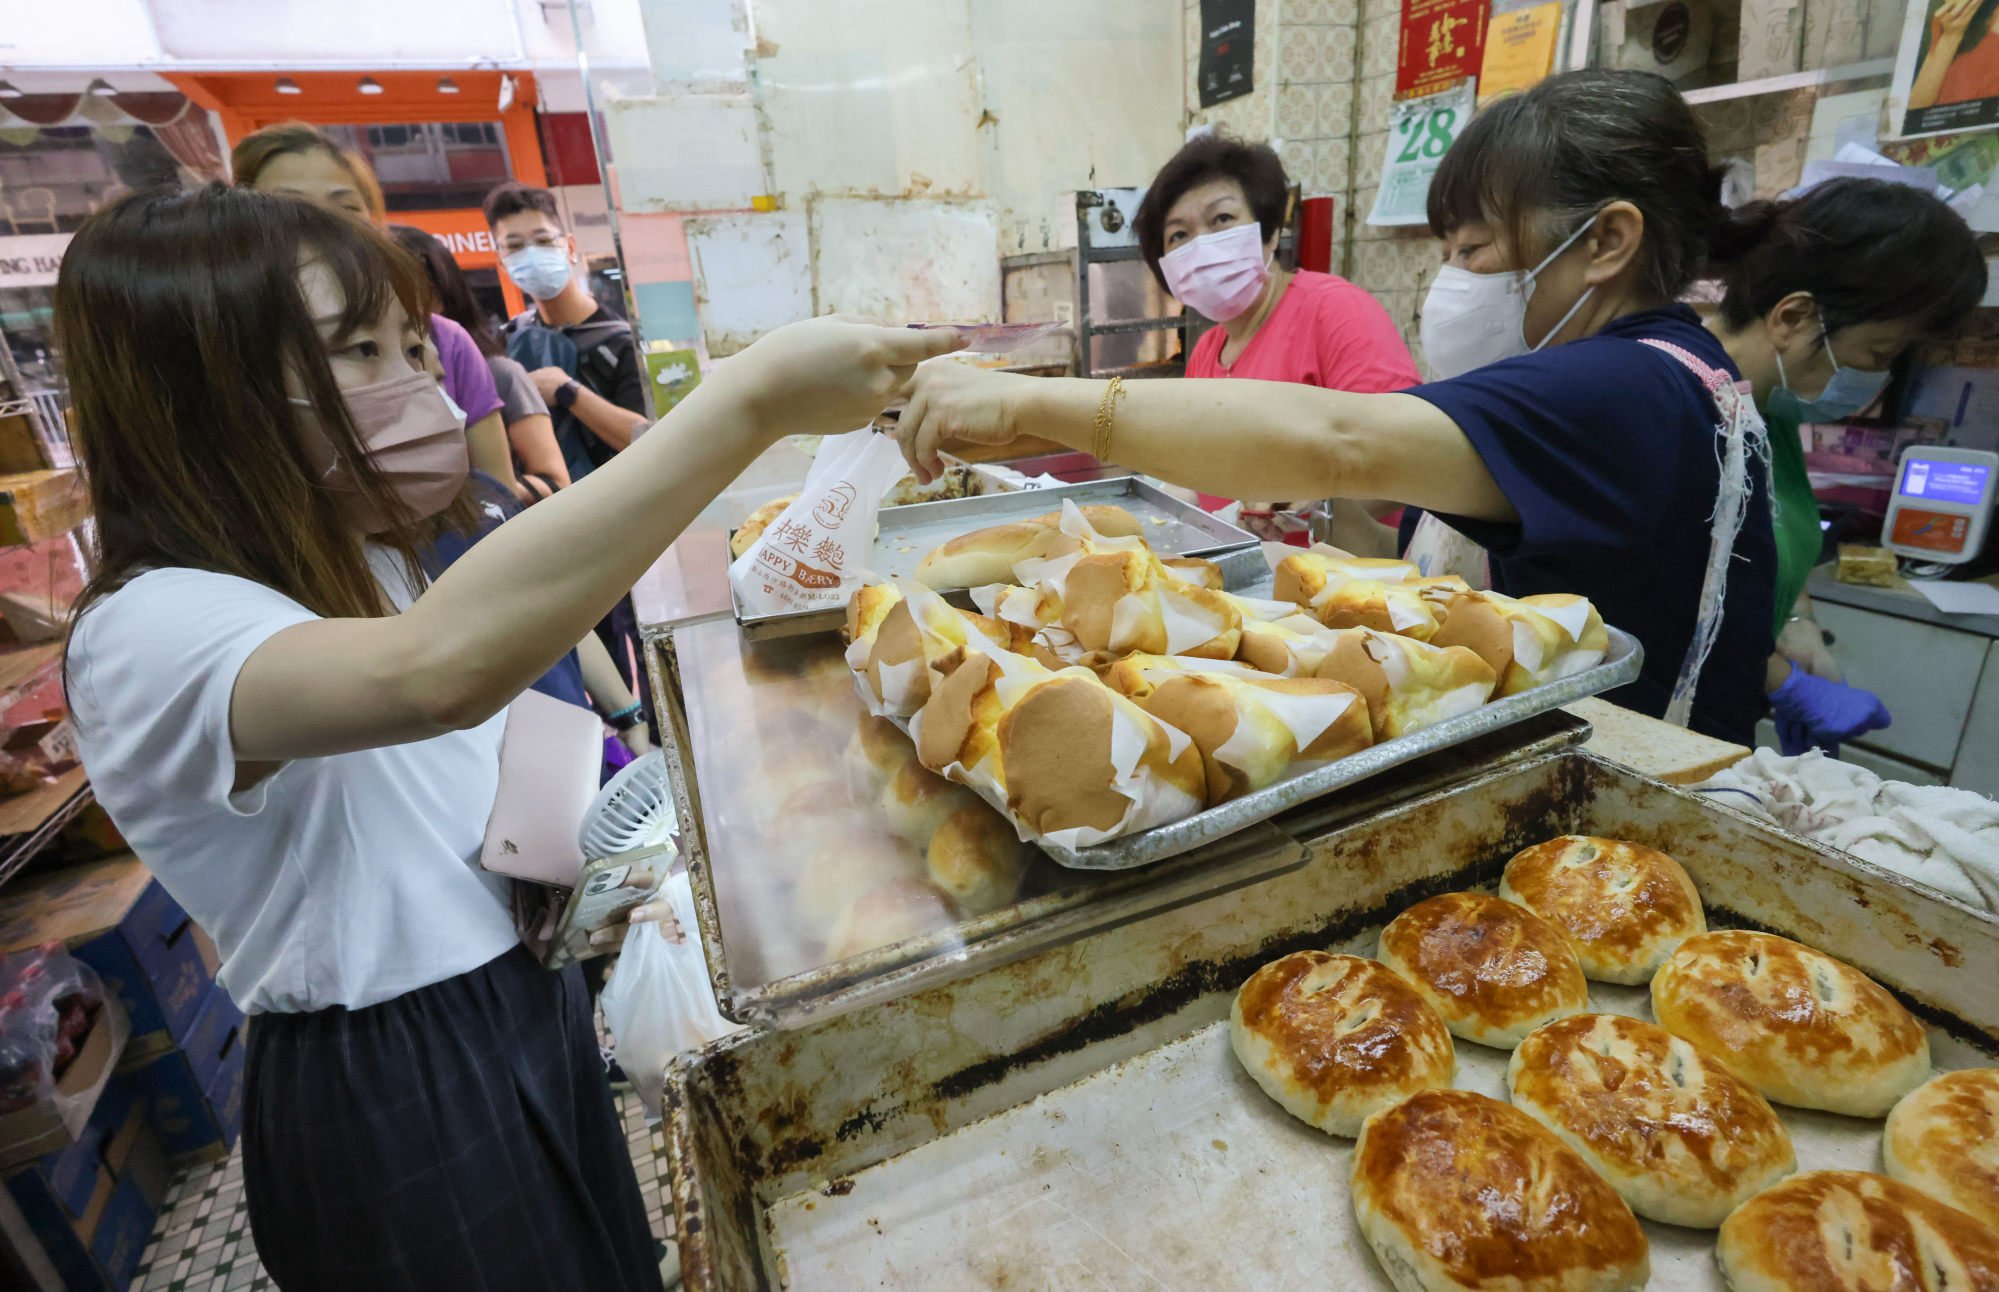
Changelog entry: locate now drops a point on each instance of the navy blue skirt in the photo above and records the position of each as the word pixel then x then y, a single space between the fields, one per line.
pixel 460 1136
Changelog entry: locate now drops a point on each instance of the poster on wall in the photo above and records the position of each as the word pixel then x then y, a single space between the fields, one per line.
pixel 1420 132
pixel 1946 69
pixel 1442 41
pixel 1519 50
pixel 1228 50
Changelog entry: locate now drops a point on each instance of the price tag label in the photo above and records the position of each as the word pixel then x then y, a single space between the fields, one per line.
pixel 1420 133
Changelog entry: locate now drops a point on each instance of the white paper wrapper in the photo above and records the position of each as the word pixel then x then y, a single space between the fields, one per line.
pixel 1573 617
pixel 897 681
pixel 1077 525
pixel 1306 717
pixel 1188 624
pixel 1530 652
pixel 1449 704
pixel 1269 612
pixel 1403 616
pixel 1051 573
pixel 813 555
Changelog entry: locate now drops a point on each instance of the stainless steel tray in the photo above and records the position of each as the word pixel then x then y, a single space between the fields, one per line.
pixel 1075 1118
pixel 1620 665
pixel 906 534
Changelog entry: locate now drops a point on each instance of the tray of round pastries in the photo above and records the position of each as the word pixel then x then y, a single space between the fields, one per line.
pixel 1551 1026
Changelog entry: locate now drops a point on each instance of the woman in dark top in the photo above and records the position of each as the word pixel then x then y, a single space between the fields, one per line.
pixel 1585 425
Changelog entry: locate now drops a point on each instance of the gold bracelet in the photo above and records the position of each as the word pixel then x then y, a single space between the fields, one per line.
pixel 1106 415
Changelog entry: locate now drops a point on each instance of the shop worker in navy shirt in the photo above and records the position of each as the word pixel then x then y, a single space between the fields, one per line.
pixel 1585 427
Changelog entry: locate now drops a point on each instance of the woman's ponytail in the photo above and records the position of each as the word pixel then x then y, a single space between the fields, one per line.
pixel 1738 233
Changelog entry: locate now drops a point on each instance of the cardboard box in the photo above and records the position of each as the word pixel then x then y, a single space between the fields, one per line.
pixel 35 505
pixel 53 1125
pixel 194 1095
pixel 39 583
pixel 115 917
pixel 96 1247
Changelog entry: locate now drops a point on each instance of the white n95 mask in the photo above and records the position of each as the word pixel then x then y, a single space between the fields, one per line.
pixel 1471 320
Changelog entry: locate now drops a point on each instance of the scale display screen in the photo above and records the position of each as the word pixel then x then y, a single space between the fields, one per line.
pixel 1936 481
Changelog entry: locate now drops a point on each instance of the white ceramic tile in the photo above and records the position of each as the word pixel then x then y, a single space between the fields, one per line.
pixel 1333 106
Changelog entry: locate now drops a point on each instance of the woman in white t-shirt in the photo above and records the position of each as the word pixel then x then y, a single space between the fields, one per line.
pixel 301 739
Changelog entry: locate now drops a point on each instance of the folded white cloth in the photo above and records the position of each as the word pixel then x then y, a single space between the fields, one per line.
pixel 1945 838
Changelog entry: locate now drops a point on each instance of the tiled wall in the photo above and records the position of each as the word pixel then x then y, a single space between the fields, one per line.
pixel 1394 264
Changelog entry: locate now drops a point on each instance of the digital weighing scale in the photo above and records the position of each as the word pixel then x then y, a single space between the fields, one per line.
pixel 1942 503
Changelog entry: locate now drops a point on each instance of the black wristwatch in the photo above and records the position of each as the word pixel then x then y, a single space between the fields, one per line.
pixel 566 395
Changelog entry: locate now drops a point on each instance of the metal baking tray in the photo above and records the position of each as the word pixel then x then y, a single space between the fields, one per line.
pixel 1076 1119
pixel 1620 665
pixel 905 535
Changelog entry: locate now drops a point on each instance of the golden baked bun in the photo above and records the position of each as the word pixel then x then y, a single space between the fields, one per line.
pixel 1943 1138
pixel 1194 570
pixel 1681 1138
pixel 886 914
pixel 1803 1028
pixel 988 555
pixel 1494 971
pixel 1624 906
pixel 1336 1038
pixel 1457 1191
pixel 876 752
pixel 836 871
pixel 1854 1231
pixel 977 859
pixel 757 522
pixel 916 802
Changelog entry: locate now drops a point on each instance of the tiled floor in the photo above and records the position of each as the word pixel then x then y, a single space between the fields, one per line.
pixel 202 1242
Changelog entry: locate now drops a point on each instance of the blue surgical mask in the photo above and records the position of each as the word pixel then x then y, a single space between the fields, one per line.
pixel 541 272
pixel 1849 391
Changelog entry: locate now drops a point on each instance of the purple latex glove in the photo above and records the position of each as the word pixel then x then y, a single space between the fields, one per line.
pixel 616 756
pixel 1814 713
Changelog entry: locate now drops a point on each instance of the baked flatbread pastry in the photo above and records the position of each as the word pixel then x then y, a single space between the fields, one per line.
pixel 1626 907
pixel 1803 1028
pixel 1494 970
pixel 1457 1191
pixel 1529 640
pixel 1681 1138
pixel 1854 1231
pixel 1334 1038
pixel 1943 1138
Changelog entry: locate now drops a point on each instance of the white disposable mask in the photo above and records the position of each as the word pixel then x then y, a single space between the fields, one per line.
pixel 1471 320
pixel 1846 392
pixel 1218 274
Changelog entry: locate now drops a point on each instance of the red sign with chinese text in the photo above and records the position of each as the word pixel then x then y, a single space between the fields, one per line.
pixel 1442 42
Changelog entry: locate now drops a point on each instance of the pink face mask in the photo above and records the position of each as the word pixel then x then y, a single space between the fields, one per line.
pixel 1219 274
pixel 413 436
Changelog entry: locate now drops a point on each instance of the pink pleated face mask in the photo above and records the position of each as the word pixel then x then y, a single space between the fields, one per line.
pixel 1218 274
pixel 412 434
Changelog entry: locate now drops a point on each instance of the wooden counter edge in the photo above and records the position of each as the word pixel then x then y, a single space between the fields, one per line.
pixel 1647 745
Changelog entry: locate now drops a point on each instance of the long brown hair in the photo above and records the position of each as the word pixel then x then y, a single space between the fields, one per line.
pixel 257 150
pixel 179 316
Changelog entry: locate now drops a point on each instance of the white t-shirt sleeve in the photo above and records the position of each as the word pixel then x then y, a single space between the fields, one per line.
pixel 151 671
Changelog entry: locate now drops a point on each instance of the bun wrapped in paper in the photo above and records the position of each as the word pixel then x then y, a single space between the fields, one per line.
pixel 1362 592
pixel 1194 570
pixel 901 645
pixel 1073 760
pixel 1278 637
pixel 1527 641
pixel 1095 598
pixel 988 555
pixel 1252 729
pixel 1408 684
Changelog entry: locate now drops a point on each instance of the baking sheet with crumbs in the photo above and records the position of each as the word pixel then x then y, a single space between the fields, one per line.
pixel 1217 1187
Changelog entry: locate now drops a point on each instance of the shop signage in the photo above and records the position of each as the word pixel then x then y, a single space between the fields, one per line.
pixel 463 233
pixel 31 259
pixel 1442 41
pixel 1420 132
pixel 1228 49
pixel 1946 77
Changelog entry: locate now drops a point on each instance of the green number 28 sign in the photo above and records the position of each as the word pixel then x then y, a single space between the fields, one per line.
pixel 1419 135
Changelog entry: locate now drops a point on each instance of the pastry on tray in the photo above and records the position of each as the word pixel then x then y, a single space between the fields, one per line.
pixel 1408 684
pixel 1942 1136
pixel 1494 971
pixel 1335 1038
pixel 989 555
pixel 1528 641
pixel 1626 907
pixel 1679 1136
pixel 1453 1190
pixel 1803 1028
pixel 1854 1231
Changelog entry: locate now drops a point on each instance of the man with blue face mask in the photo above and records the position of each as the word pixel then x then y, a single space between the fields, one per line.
pixel 583 360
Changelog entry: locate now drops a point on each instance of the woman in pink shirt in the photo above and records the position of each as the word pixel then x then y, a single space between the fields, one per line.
pixel 1208 230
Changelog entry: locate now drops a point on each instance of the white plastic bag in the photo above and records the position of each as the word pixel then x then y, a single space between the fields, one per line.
pixel 813 555
pixel 658 1001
